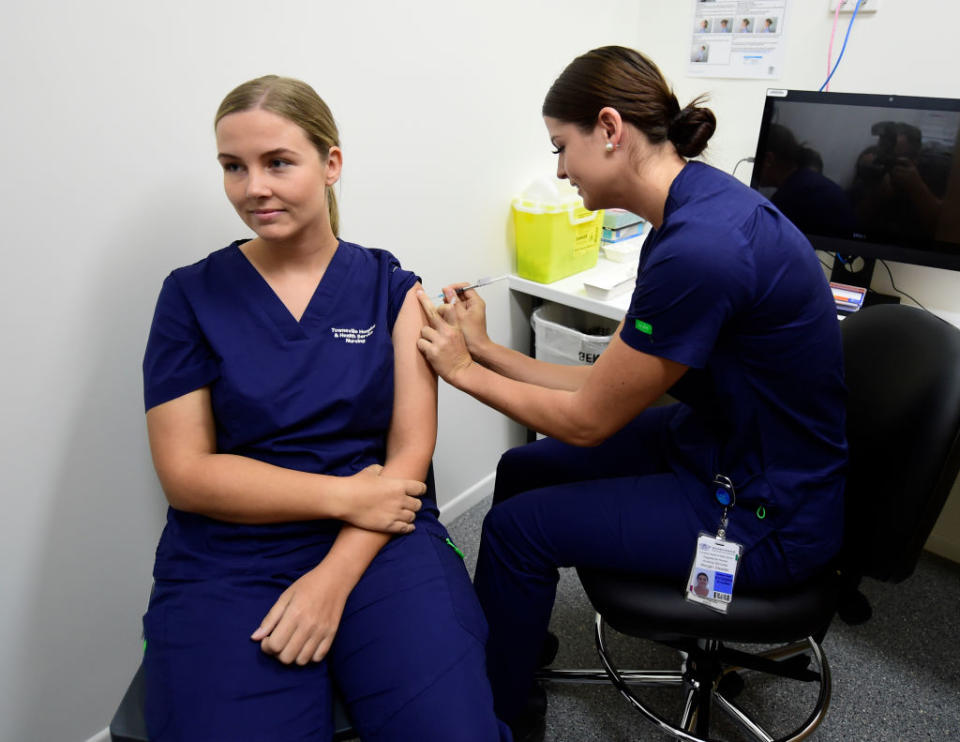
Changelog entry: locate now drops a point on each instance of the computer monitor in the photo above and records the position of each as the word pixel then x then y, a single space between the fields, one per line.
pixel 865 177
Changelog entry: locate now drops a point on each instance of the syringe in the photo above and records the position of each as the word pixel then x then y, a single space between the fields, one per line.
pixel 485 281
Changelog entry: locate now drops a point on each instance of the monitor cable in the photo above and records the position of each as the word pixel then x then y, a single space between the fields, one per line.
pixel 739 163
pixel 898 290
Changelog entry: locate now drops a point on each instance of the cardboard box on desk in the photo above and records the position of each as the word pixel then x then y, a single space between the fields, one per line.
pixel 555 239
pixel 623 233
pixel 619 218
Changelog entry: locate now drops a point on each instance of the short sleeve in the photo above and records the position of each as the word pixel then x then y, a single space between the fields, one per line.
pixel 178 359
pixel 688 289
pixel 399 281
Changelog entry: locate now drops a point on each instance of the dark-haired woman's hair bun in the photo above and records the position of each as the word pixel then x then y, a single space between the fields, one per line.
pixel 691 129
pixel 629 82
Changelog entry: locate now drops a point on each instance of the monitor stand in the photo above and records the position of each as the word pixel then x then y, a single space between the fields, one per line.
pixel 857 271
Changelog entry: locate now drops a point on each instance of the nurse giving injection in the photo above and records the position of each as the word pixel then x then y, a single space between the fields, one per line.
pixel 728 295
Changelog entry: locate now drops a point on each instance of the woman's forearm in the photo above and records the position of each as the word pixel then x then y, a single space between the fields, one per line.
pixel 521 367
pixel 620 386
pixel 355 548
pixel 551 411
pixel 239 489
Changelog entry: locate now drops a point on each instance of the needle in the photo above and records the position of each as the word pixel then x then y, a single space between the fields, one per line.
pixel 485 281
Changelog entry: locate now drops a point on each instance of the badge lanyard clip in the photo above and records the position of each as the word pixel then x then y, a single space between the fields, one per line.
pixel 727 497
pixel 715 560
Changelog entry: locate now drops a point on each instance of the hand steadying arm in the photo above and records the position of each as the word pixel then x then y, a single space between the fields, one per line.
pixel 469 309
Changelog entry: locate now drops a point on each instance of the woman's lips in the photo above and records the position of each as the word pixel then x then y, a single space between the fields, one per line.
pixel 266 213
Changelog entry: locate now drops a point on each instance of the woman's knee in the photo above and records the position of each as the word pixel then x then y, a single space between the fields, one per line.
pixel 512 474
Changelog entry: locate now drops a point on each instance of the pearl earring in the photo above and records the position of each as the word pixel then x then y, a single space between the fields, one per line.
pixel 609 146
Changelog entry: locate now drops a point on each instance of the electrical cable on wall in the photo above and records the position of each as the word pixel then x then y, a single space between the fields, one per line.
pixel 830 74
pixel 843 48
pixel 833 33
pixel 739 163
pixel 898 290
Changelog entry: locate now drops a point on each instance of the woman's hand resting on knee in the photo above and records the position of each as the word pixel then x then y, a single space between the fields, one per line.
pixel 302 623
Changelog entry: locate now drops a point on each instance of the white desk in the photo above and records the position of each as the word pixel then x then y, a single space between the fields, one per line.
pixel 570 290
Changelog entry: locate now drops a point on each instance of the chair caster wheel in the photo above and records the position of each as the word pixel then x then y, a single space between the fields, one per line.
pixel 854 608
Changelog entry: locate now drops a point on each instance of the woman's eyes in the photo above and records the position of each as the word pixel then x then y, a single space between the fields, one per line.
pixel 558 151
pixel 277 163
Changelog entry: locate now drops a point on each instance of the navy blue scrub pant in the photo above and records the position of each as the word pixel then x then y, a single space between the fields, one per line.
pixel 618 506
pixel 408 657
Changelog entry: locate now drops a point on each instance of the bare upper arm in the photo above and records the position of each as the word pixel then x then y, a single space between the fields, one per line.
pixel 413 427
pixel 179 431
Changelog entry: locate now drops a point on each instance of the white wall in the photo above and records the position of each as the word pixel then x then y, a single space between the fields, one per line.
pixel 109 181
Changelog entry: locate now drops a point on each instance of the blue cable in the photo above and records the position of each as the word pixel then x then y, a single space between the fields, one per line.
pixel 843 48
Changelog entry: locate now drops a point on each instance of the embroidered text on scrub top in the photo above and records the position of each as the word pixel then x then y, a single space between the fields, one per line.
pixel 350 335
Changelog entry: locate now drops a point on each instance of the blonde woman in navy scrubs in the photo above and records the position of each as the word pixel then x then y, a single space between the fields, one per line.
pixel 731 314
pixel 292 423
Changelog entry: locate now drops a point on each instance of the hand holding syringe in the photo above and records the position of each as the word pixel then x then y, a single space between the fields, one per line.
pixel 459 315
pixel 485 281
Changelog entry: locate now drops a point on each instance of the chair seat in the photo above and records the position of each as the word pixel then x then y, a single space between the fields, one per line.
pixel 654 608
pixel 129 725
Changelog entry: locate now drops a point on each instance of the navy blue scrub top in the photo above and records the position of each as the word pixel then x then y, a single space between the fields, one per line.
pixel 314 395
pixel 729 287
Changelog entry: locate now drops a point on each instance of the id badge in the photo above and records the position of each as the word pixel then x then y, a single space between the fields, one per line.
pixel 714 569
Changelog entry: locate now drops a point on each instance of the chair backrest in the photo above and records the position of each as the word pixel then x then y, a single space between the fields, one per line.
pixel 903 426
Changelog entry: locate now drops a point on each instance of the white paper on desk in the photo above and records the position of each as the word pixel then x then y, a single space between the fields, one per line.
pixel 618 279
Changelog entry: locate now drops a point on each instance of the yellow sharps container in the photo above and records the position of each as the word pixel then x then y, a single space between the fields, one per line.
pixel 555 235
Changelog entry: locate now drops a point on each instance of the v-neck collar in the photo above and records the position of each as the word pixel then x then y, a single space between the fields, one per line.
pixel 321 302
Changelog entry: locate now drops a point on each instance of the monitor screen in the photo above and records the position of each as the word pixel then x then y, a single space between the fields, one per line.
pixel 875 176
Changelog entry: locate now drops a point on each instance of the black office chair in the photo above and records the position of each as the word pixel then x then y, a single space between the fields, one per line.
pixel 903 376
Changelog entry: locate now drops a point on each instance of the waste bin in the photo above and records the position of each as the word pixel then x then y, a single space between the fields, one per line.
pixel 568 336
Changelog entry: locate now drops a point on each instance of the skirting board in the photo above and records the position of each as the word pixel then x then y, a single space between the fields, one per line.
pixel 467 499
pixel 948 548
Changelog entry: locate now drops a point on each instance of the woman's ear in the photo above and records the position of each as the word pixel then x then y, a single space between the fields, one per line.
pixel 334 165
pixel 610 125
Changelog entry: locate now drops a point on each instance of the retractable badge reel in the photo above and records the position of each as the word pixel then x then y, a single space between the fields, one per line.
pixel 716 559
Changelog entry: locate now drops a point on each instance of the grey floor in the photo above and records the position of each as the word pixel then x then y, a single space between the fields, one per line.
pixel 896 677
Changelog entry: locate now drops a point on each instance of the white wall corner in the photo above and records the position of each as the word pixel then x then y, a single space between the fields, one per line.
pixel 467 499
pixel 102 736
